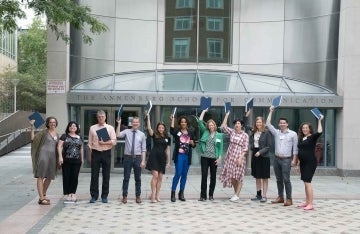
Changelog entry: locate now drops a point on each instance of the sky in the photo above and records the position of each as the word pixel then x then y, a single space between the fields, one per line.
pixel 26 23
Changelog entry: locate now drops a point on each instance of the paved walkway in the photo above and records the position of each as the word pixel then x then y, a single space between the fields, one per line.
pixel 337 202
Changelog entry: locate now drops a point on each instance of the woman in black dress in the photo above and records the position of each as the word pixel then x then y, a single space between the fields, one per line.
pixel 306 155
pixel 159 157
pixel 260 142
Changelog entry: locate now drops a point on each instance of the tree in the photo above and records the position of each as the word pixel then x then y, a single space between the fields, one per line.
pixel 32 50
pixel 57 12
pixel 31 89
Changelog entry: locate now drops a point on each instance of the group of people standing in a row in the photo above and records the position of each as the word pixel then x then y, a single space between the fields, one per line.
pixel 49 151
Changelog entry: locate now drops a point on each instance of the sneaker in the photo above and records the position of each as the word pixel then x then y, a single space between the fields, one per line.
pixel 234 198
pixel 104 200
pixel 93 200
pixel 263 200
pixel 256 198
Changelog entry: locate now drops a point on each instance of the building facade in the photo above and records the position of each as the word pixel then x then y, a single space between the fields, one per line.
pixel 175 51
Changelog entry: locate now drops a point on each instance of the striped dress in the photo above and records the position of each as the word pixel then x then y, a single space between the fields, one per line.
pixel 238 144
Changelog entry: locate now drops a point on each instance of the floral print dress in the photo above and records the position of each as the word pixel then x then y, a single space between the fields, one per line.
pixel 238 144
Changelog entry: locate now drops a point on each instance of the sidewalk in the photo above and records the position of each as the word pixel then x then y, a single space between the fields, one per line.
pixel 337 202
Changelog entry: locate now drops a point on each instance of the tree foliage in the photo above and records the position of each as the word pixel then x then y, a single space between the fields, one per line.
pixel 57 12
pixel 31 89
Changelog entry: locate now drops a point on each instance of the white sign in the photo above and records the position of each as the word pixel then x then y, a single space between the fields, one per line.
pixel 55 86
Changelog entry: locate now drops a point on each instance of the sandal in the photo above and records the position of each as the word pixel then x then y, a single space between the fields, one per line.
pixel 47 199
pixel 43 202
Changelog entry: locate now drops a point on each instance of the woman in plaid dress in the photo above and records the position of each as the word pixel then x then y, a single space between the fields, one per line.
pixel 235 161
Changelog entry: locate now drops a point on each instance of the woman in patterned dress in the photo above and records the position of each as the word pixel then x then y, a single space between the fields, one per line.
pixel 235 163
pixel 159 157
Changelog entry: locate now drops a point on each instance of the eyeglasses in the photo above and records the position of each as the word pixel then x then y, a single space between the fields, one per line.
pixel 52 122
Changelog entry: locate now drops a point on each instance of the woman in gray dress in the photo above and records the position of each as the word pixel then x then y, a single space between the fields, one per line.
pixel 44 156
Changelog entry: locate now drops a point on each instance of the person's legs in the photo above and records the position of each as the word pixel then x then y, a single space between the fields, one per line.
pixel 279 178
pixel 40 187
pixel 286 168
pixel 153 185
pixel 265 184
pixel 46 185
pixel 184 172
pixel 127 172
pixel 75 177
pixel 309 196
pixel 95 169
pixel 65 169
pixel 178 170
pixel 204 173
pixel 213 169
pixel 158 186
pixel 137 175
pixel 106 165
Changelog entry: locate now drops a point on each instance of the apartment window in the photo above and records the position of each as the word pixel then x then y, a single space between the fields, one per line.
pixel 190 32
pixel 185 3
pixel 181 48
pixel 215 48
pixel 214 24
pixel 215 4
pixel 183 23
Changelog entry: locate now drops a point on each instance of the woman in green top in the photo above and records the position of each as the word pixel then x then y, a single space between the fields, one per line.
pixel 211 147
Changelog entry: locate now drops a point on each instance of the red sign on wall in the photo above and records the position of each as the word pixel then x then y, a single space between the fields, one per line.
pixel 55 86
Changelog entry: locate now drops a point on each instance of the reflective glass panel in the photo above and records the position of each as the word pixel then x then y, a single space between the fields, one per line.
pixel 137 81
pixel 173 81
pixel 266 84
pixel 102 83
pixel 301 87
pixel 221 82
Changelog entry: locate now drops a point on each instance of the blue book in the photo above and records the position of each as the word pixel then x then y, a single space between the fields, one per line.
pixel 149 107
pixel 120 111
pixel 227 107
pixel 38 119
pixel 205 103
pixel 316 112
pixel 249 104
pixel 103 134
pixel 277 101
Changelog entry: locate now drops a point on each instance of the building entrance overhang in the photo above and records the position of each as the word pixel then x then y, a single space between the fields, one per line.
pixel 185 87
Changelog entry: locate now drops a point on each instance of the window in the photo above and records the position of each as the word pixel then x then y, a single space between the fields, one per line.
pixel 183 23
pixel 215 48
pixel 215 4
pixel 181 47
pixel 214 24
pixel 198 24
pixel 184 3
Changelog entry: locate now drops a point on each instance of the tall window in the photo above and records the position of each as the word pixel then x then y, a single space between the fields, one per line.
pixel 215 48
pixel 185 3
pixel 181 48
pixel 206 25
pixel 183 23
pixel 216 4
pixel 214 24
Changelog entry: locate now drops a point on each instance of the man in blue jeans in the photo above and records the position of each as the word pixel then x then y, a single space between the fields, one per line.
pixel 285 148
pixel 134 156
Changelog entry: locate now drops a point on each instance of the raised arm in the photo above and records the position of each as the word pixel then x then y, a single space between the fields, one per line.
pixel 224 123
pixel 172 121
pixel 320 128
pixel 271 110
pixel 117 132
pixel 148 125
pixel 202 114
